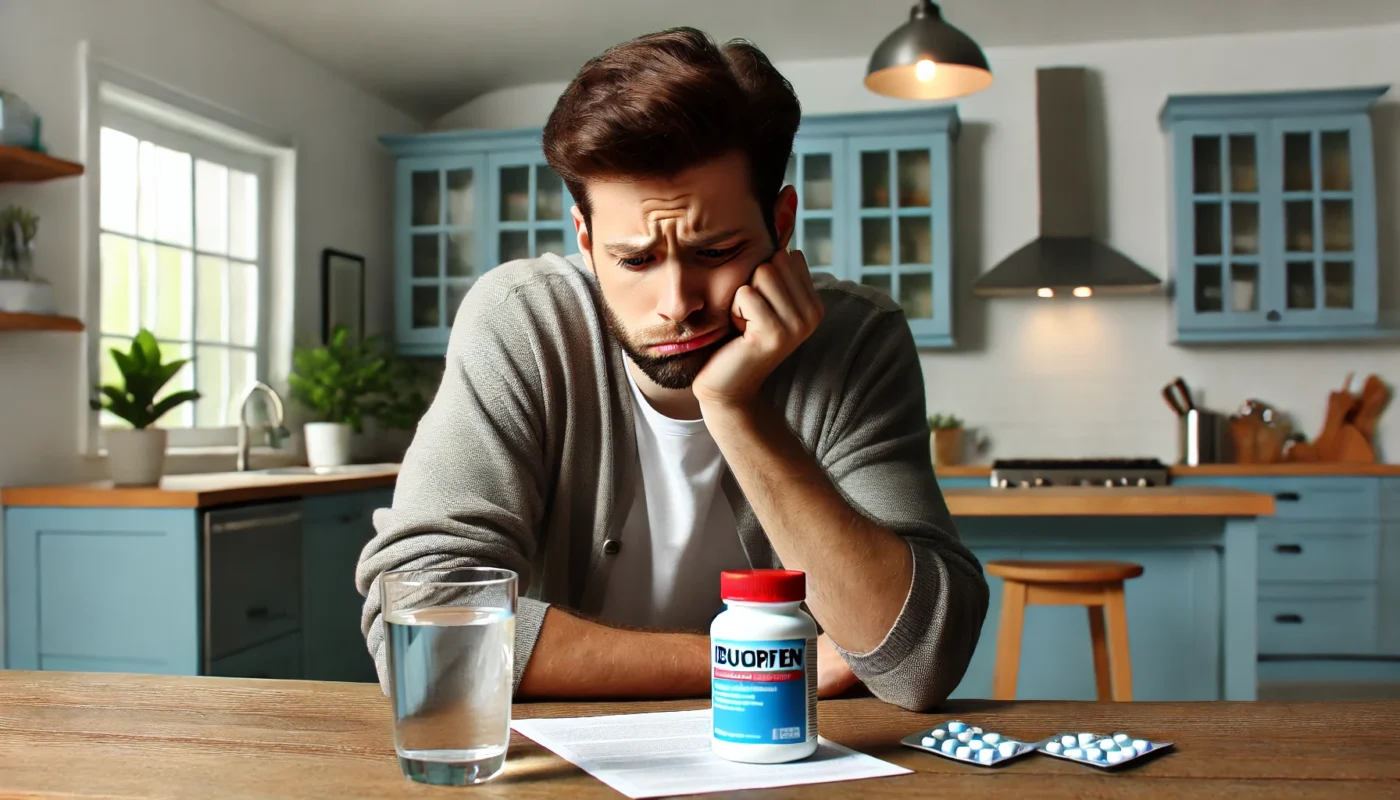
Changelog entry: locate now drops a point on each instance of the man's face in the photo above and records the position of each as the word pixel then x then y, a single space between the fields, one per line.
pixel 669 254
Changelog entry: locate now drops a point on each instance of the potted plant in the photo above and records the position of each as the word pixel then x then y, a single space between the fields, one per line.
pixel 136 456
pixel 947 439
pixel 344 383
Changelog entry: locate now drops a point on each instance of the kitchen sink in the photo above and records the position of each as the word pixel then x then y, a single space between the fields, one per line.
pixel 346 469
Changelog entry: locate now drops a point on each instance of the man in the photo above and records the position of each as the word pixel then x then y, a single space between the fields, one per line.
pixel 679 399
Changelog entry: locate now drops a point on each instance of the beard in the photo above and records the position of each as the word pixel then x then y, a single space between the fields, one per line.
pixel 667 371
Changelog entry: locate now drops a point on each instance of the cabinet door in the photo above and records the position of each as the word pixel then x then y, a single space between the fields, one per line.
pixel 102 590
pixel 1389 590
pixel 1224 278
pixel 817 169
pixel 337 528
pixel 529 209
pixel 438 247
pixel 900 235
pixel 1324 241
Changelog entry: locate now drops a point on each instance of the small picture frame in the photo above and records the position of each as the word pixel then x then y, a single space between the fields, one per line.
pixel 342 293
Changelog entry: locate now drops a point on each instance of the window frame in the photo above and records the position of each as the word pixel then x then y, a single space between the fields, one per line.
pixel 148 128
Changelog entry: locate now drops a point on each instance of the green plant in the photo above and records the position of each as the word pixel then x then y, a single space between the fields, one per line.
pixel 347 381
pixel 144 374
pixel 939 422
pixel 17 214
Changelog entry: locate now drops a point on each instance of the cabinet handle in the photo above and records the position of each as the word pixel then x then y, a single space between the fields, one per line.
pixel 1289 619
pixel 1292 549
pixel 1273 316
pixel 257 612
pixel 1290 497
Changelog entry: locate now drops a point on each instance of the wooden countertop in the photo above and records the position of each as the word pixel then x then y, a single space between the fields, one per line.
pixel 1073 501
pixel 69 735
pixel 198 490
pixel 1233 470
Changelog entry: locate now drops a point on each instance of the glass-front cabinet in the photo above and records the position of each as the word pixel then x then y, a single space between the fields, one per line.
pixel 874 206
pixel 1274 216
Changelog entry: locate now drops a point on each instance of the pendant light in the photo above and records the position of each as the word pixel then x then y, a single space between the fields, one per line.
pixel 927 59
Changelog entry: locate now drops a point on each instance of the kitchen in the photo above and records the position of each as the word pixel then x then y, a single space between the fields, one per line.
pixel 1034 378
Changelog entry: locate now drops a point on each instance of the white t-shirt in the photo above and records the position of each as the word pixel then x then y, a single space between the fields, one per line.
pixel 679 533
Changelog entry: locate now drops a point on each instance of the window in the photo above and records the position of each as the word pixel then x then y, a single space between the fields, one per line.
pixel 183 251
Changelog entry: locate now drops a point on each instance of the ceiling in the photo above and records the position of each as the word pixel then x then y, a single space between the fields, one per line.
pixel 428 57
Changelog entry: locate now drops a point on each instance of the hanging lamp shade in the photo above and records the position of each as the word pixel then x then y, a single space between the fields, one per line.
pixel 927 59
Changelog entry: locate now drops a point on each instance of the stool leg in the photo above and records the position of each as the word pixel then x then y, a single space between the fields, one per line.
pixel 1013 617
pixel 1120 663
pixel 1099 639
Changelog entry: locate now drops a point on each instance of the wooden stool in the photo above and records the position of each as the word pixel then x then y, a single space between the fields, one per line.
pixel 1097 585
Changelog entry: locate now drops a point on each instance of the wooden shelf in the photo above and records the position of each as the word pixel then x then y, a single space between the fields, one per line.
pixel 38 322
pixel 22 165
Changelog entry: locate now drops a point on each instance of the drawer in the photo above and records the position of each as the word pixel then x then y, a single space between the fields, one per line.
pixel 1329 498
pixel 1313 619
pixel 1318 551
pixel 252 574
pixel 279 658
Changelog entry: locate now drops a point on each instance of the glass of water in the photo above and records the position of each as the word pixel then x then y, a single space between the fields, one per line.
pixel 451 640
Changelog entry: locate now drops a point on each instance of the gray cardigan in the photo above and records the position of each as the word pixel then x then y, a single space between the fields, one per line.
pixel 522 458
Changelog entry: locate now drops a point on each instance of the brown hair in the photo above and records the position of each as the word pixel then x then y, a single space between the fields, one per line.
pixel 661 103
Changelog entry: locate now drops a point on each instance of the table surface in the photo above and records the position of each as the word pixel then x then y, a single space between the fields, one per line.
pixel 103 735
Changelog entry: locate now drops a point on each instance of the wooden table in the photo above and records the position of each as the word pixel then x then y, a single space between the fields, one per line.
pixel 103 735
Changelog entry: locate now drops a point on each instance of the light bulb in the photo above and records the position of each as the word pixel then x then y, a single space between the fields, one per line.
pixel 1045 291
pixel 924 70
pixel 1083 291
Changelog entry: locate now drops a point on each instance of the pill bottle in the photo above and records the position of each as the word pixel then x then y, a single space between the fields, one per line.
pixel 763 662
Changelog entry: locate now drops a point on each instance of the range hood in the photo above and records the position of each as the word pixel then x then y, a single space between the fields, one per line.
pixel 1065 258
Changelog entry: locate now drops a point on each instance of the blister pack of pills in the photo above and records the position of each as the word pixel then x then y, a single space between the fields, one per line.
pixel 968 743
pixel 1098 750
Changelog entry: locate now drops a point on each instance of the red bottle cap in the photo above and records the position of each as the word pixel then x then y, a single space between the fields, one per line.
pixel 763 585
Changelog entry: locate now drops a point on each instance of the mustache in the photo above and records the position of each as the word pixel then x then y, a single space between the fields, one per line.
pixel 663 334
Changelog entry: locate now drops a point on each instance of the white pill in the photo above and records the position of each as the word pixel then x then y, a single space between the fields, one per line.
pixel 1106 744
pixel 938 733
pixel 1086 739
pixel 991 738
pixel 1093 754
pixel 964 752
pixel 1008 749
pixel 1053 747
pixel 986 756
pixel 928 741
pixel 956 727
pixel 1122 738
pixel 976 729
pixel 1115 756
pixel 1068 741
pixel 1128 751
pixel 949 745
pixel 1074 752
pixel 1142 745
pixel 977 744
pixel 965 736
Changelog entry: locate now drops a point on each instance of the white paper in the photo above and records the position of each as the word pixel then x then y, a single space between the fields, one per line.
pixel 668 753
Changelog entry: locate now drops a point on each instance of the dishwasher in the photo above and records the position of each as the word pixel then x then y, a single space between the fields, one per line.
pixel 251 559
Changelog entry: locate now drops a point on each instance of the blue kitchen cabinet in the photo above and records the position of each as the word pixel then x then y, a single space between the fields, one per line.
pixel 1274 216
pixel 874 206
pixel 337 528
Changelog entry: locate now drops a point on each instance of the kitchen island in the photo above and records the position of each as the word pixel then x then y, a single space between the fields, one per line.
pixel 68 735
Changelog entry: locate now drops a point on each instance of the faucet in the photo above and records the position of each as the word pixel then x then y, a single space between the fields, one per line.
pixel 275 435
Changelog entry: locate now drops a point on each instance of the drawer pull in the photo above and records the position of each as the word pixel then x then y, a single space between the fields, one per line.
pixel 257 612
pixel 1287 497
pixel 1292 549
pixel 1288 619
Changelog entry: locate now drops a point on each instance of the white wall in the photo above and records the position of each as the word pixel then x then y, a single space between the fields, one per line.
pixel 344 185
pixel 1082 378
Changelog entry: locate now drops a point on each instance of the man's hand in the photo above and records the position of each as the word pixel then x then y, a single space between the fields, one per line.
pixel 834 675
pixel 774 313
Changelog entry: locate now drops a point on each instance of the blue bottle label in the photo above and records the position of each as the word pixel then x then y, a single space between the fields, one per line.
pixel 763 692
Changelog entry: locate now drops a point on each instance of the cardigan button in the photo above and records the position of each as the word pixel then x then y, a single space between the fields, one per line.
pixel 611 547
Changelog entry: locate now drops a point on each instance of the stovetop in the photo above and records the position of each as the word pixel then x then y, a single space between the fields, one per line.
pixel 1030 473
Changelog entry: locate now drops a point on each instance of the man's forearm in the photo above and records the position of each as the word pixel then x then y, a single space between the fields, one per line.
pixel 858 572
pixel 576 658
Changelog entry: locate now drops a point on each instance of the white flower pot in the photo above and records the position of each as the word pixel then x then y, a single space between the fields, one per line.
pixel 136 457
pixel 327 444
